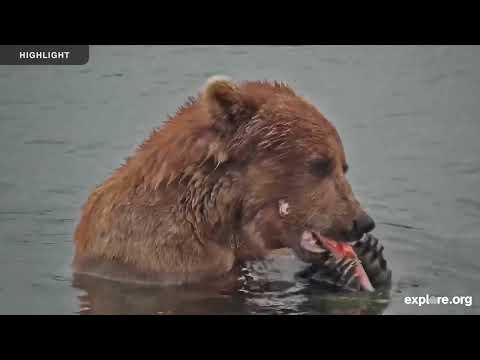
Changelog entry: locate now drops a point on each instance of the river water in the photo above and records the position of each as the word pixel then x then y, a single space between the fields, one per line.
pixel 408 117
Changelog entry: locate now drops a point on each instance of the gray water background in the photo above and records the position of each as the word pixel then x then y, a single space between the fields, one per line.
pixel 408 117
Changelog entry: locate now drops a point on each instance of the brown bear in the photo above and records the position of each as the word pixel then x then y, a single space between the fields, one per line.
pixel 241 170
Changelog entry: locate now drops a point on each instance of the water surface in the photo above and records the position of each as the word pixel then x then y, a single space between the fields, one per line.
pixel 408 116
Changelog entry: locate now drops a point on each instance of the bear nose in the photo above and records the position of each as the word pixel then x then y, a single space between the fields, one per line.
pixel 363 224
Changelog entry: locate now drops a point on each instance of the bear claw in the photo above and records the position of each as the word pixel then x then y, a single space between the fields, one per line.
pixel 341 273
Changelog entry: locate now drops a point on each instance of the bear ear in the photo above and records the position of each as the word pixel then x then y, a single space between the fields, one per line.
pixel 224 100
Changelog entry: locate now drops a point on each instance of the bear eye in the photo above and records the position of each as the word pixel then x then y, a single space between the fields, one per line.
pixel 320 167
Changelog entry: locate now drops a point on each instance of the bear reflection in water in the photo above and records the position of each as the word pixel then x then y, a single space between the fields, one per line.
pixel 267 287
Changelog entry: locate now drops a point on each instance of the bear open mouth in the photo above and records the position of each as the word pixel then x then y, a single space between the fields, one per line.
pixel 341 254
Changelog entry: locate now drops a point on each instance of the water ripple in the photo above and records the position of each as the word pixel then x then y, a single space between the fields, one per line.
pixel 475 204
pixel 112 75
pixel 45 142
